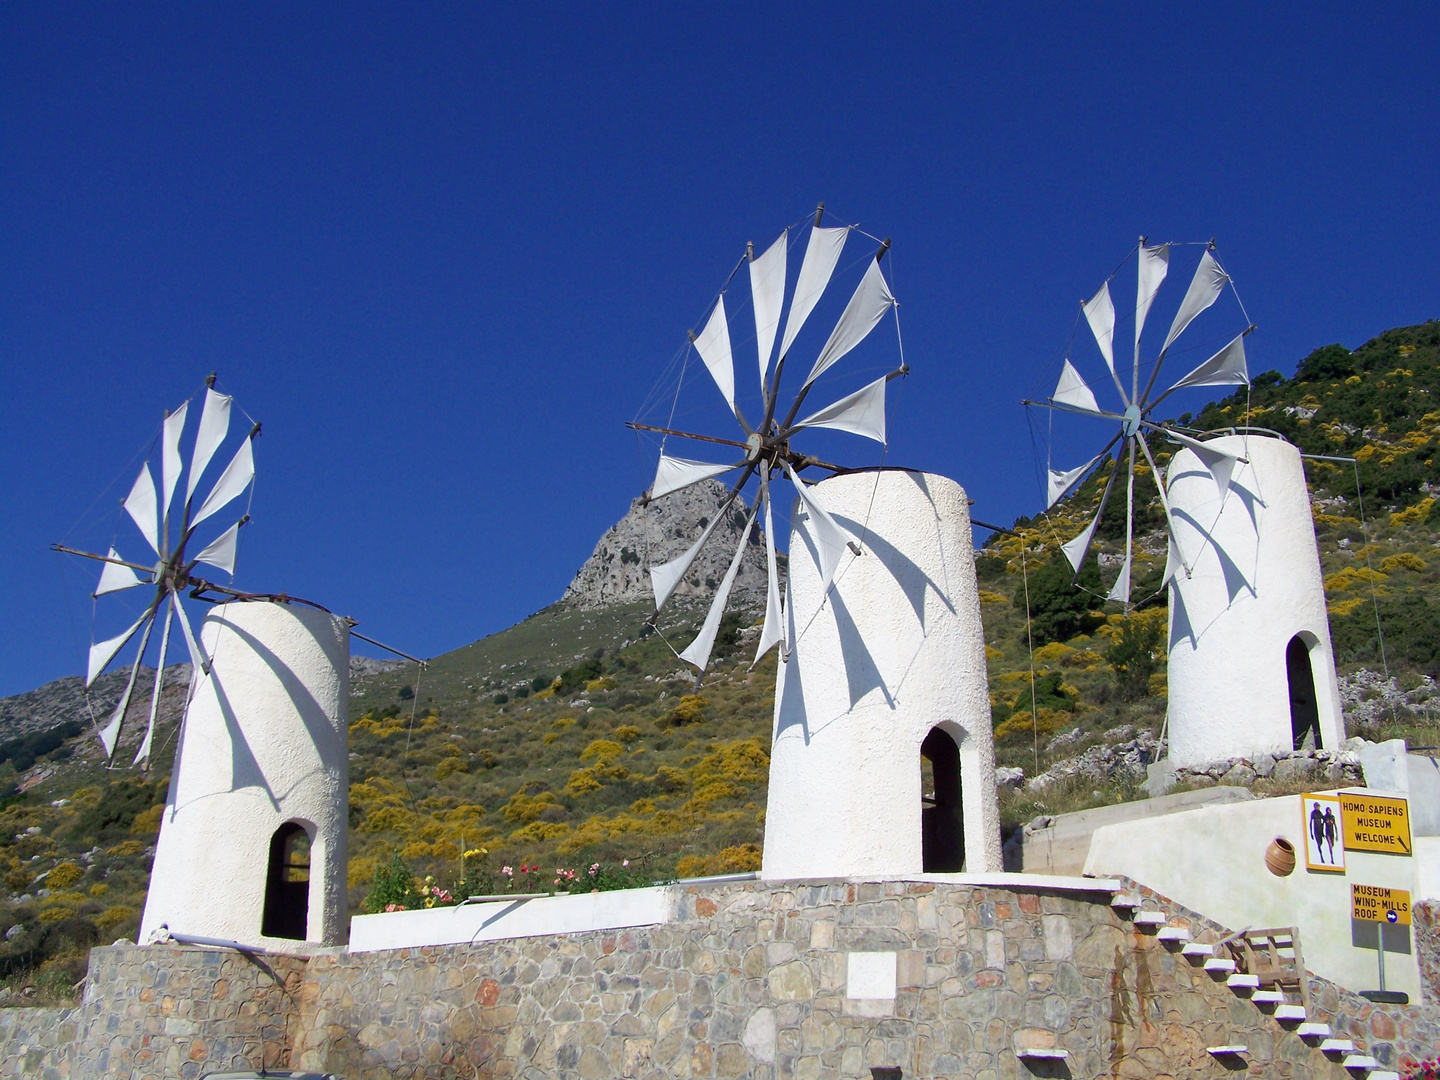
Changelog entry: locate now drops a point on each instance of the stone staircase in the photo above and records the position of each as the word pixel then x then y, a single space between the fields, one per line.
pixel 1217 959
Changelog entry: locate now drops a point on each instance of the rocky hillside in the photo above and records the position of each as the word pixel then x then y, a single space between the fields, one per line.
pixel 618 572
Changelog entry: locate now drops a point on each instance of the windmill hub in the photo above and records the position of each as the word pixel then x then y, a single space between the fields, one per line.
pixel 753 445
pixel 1131 422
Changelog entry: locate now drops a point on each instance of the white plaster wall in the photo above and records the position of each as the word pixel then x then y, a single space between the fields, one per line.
pixel 1255 583
pixel 265 741
pixel 497 920
pixel 896 648
pixel 1212 860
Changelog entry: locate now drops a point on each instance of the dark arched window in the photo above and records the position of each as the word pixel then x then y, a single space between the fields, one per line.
pixel 942 824
pixel 1304 713
pixel 287 886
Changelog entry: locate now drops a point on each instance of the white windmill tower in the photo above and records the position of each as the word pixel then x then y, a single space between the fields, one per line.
pixel 1247 606
pixel 253 839
pixel 882 654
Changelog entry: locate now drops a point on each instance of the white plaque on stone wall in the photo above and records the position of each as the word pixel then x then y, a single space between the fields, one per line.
pixel 870 975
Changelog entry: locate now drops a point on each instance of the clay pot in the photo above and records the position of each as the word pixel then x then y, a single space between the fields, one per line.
pixel 1280 857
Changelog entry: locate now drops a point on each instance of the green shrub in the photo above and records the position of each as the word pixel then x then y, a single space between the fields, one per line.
pixel 393 889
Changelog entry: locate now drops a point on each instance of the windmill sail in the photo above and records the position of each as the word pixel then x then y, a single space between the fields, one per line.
pixel 768 451
pixel 214 423
pixel 1100 314
pixel 713 345
pixel 822 252
pixel 676 474
pixel 1073 394
pixel 860 413
pixel 767 287
pixel 167 535
pixel 867 307
pixel 698 652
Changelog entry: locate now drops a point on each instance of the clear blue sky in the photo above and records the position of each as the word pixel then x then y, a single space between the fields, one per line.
pixel 444 252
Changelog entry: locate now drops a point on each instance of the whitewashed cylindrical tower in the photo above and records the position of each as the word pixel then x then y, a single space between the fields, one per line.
pixel 889 670
pixel 1251 669
pixel 252 845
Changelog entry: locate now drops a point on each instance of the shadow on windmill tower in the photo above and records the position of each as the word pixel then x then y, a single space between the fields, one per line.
pixel 1251 668
pixel 252 844
pixel 883 761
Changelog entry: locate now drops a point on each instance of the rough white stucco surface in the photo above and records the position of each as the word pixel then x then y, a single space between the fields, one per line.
pixel 895 649
pixel 1212 860
pixel 1255 584
pixel 265 742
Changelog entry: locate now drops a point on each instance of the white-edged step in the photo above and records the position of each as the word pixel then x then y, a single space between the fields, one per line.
pixel 1383 1074
pixel 1243 982
pixel 1042 1053
pixel 1125 900
pixel 1196 949
pixel 1151 918
pixel 1220 966
pixel 1360 1061
pixel 1290 1014
pixel 1268 997
pixel 1234 1050
pixel 1174 933
pixel 1312 1030
pixel 1337 1046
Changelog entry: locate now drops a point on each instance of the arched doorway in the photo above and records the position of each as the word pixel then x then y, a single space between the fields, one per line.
pixel 1304 712
pixel 942 822
pixel 287 885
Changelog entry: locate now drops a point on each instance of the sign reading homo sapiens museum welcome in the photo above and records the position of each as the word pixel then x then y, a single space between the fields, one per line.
pixel 1375 823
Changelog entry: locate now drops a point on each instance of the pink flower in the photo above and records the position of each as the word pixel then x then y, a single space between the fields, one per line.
pixel 625 863
pixel 594 869
pixel 393 907
pixel 508 871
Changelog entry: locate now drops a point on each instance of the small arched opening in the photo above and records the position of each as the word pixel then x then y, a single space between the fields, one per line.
pixel 942 822
pixel 1304 710
pixel 287 885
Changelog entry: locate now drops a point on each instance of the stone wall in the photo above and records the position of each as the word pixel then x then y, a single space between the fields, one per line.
pixel 813 979
pixel 1425 931
pixel 760 980
pixel 30 1038
pixel 161 1011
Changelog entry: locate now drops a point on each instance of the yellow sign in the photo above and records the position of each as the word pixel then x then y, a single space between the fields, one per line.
pixel 1371 903
pixel 1375 823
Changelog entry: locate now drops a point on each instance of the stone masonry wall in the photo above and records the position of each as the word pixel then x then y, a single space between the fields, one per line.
pixel 1425 929
pixel 160 1012
pixel 30 1038
pixel 753 979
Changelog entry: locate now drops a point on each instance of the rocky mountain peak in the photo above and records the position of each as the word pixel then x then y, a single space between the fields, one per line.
pixel 618 571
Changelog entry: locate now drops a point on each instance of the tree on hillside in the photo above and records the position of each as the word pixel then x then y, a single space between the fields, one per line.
pixel 1058 609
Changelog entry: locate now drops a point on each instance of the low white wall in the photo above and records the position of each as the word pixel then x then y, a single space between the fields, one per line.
pixel 1212 860
pixel 497 919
